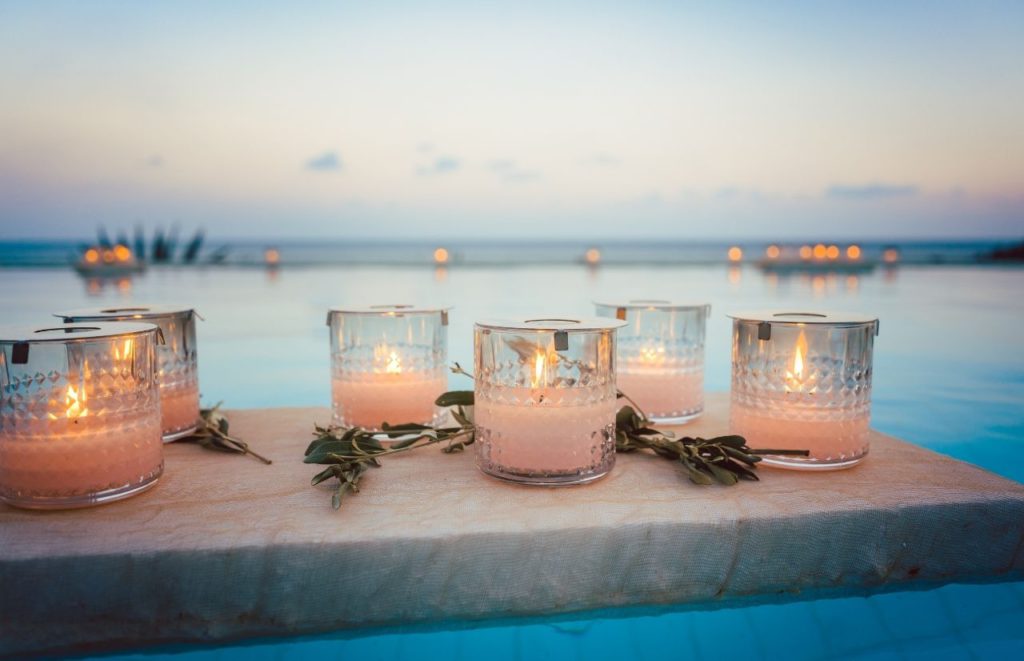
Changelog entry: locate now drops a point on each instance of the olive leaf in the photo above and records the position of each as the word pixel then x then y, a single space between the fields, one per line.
pixel 722 459
pixel 212 434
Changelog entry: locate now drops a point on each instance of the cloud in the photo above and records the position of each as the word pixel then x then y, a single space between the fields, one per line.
pixel 508 170
pixel 325 162
pixel 440 165
pixel 870 191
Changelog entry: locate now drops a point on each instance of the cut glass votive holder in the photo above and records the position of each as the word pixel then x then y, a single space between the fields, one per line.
pixel 178 373
pixel 802 381
pixel 388 364
pixel 79 414
pixel 545 399
pixel 661 356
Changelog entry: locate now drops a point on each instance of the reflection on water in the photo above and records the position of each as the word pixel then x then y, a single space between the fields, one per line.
pixel 96 286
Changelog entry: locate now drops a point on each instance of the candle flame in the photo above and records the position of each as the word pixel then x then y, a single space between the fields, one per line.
pixel 388 357
pixel 795 379
pixel 539 365
pixel 798 355
pixel 75 403
pixel 652 355
pixel 394 365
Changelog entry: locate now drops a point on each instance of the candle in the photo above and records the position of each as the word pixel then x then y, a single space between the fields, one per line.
pixel 661 356
pixel 388 364
pixel 802 381
pixel 89 431
pixel 177 359
pixel 545 400
pixel 386 394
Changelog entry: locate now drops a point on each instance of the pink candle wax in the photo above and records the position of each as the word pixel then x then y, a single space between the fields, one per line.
pixel 662 392
pixel 393 398
pixel 75 457
pixel 551 431
pixel 179 408
pixel 834 437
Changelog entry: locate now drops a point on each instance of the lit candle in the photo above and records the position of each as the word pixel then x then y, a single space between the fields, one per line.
pixel 389 364
pixel 661 356
pixel 79 415
pixel 386 393
pixel 545 399
pixel 802 381
pixel 177 359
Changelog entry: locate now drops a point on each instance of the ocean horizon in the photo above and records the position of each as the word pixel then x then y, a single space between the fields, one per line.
pixel 52 253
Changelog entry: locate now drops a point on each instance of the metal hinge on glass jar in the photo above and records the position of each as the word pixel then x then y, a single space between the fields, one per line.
pixel 802 380
pixel 388 364
pixel 178 360
pixel 545 399
pixel 661 356
pixel 79 414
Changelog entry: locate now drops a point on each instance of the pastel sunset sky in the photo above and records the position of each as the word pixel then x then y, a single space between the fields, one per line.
pixel 514 119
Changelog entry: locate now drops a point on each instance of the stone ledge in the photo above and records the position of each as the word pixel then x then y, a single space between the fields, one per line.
pixel 225 547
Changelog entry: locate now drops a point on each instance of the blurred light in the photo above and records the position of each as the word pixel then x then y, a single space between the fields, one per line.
pixel 820 251
pixel 92 255
pixel 440 273
pixel 818 284
pixel 832 252
pixel 852 282
pixel 772 252
pixel 271 256
pixel 735 275
pixel 593 256
pixel 122 253
pixel 806 252
pixel 735 254
pixel 891 255
pixel 441 256
pixel 853 252
pixel 124 285
pixel 108 256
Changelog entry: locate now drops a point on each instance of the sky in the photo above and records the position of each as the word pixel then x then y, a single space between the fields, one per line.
pixel 404 120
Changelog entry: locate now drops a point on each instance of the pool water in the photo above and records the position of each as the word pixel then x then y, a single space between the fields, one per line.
pixel 949 375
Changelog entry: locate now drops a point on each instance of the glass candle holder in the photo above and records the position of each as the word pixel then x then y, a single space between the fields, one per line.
pixel 802 381
pixel 545 399
pixel 388 364
pixel 178 373
pixel 79 414
pixel 661 356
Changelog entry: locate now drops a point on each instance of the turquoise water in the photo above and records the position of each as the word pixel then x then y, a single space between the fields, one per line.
pixel 949 375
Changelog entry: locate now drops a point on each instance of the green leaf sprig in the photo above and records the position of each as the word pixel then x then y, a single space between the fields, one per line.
pixel 722 459
pixel 350 452
pixel 212 434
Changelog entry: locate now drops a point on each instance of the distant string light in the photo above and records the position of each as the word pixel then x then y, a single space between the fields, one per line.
pixel 772 252
pixel 735 254
pixel 593 256
pixel 441 256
